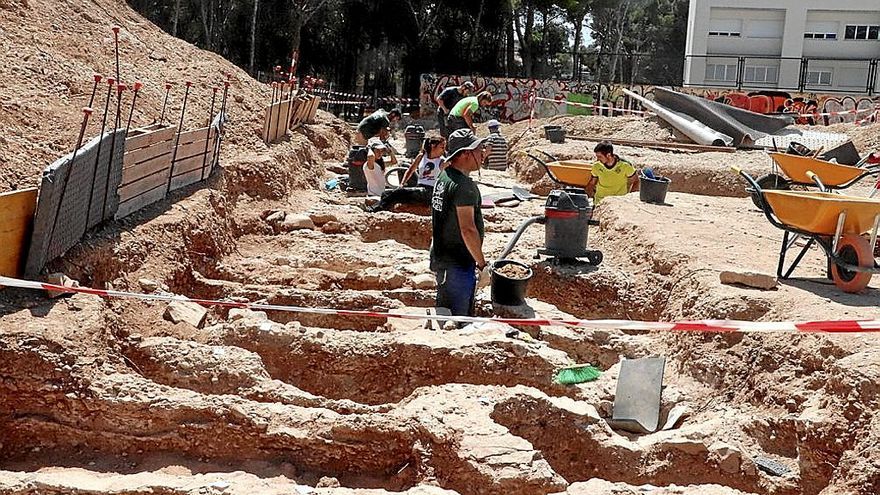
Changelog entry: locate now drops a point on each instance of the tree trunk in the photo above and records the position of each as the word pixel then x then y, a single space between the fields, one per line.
pixel 621 20
pixel 576 49
pixel 545 43
pixel 475 30
pixel 296 31
pixel 254 34
pixel 509 59
pixel 206 27
pixel 176 17
pixel 524 33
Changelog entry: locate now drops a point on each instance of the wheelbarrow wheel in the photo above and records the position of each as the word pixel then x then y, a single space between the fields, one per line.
pixel 853 250
pixel 769 182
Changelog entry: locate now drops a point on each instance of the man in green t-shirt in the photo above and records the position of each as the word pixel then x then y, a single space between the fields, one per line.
pixel 378 124
pixel 611 175
pixel 462 114
pixel 457 224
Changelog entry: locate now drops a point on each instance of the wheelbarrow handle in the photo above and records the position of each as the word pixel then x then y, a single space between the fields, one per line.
pixel 815 178
pixel 753 183
pixel 548 155
pixel 546 168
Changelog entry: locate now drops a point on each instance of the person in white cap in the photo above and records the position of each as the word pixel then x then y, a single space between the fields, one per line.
pixel 498 156
pixel 374 167
pixel 457 224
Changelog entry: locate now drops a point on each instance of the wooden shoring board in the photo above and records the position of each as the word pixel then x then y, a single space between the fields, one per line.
pixel 148 136
pixel 303 110
pixel 134 158
pixel 196 162
pixel 131 176
pixel 264 135
pixel 143 199
pixel 640 143
pixel 316 102
pixel 193 136
pixel 294 113
pixel 191 149
pixel 16 219
pixel 192 172
pixel 273 126
pixel 145 184
pixel 276 121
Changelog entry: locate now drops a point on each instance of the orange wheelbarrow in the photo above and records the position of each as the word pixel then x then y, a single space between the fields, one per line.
pixel 833 175
pixel 845 227
pixel 569 173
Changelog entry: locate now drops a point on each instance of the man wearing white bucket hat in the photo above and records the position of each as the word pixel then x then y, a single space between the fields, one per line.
pixel 457 224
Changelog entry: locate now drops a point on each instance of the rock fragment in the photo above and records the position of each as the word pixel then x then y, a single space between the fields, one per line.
pixel 749 279
pixel 187 312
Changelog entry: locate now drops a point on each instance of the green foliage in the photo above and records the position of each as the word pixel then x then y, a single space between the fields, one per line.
pixel 378 44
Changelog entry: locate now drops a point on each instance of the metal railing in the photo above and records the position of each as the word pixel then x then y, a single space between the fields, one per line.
pixel 810 76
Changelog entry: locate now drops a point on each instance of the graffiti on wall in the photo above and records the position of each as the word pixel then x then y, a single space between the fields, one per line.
pixel 810 107
pixel 511 99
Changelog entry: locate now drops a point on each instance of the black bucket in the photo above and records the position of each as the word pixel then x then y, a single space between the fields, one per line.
pixel 414 135
pixel 509 291
pixel 653 190
pixel 357 155
pixel 554 133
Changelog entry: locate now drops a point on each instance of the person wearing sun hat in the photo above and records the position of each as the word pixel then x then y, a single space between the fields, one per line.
pixel 498 156
pixel 457 224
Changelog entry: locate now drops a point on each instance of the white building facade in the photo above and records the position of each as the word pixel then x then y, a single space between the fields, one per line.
pixel 792 45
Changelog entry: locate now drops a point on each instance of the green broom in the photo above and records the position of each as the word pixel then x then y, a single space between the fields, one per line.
pixel 578 373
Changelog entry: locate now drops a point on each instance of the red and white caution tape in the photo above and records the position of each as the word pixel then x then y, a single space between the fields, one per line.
pixel 842 112
pixel 395 99
pixel 343 102
pixel 585 105
pixel 713 326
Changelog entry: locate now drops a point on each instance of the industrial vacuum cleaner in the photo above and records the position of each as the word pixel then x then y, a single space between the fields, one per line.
pixel 567 219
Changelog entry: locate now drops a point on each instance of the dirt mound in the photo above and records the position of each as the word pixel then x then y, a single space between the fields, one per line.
pixel 128 396
pixel 691 172
pixel 866 137
pixel 46 68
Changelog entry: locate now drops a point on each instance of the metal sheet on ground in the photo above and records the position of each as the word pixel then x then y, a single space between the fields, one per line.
pixel 637 400
pixel 88 178
pixel 811 139
pixel 16 218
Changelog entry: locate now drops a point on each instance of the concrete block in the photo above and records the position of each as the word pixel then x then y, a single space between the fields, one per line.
pixel 187 312
pixel 296 222
pixel 749 279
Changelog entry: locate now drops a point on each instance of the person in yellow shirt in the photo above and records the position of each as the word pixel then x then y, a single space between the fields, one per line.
pixel 611 176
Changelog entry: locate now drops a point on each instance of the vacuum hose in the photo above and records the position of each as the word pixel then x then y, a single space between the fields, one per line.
pixel 519 232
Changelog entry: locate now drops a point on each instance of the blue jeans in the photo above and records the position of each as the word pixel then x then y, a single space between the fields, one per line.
pixel 455 289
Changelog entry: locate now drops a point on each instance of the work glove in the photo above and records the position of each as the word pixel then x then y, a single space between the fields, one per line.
pixel 484 278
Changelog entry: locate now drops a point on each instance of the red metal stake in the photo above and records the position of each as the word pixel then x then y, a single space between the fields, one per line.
pixel 137 87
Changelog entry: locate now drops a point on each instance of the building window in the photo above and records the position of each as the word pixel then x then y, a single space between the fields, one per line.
pixel 761 74
pixel 862 32
pixel 724 34
pixel 721 72
pixel 821 77
pixel 820 36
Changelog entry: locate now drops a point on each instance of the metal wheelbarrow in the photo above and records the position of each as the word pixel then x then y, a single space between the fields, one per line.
pixel 569 173
pixel 845 227
pixel 833 175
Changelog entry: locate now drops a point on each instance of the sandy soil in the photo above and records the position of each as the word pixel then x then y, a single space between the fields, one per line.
pixel 112 397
